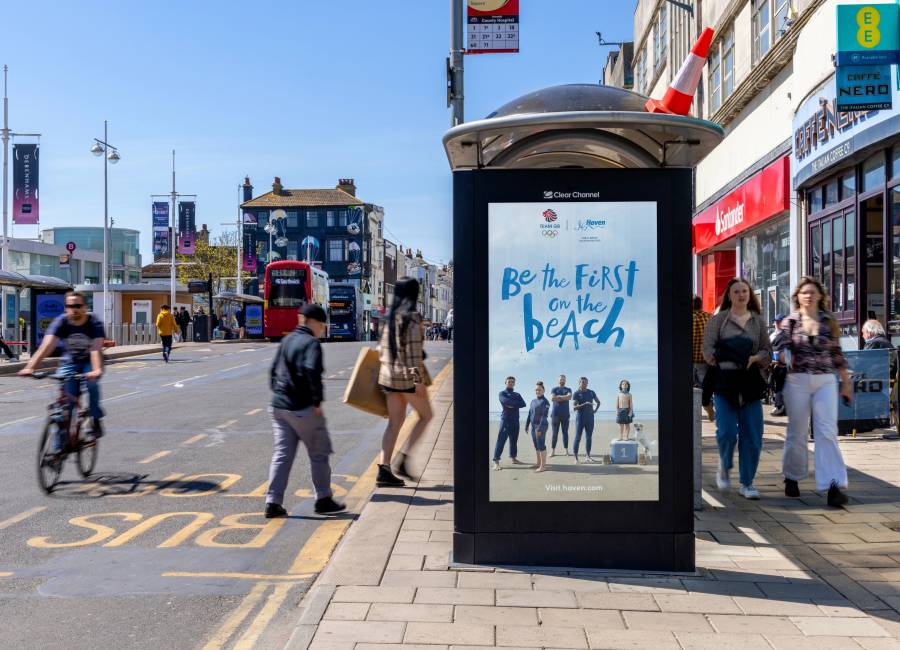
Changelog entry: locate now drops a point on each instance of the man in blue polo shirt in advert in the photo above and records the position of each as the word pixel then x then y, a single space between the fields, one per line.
pixel 510 402
pixel 559 413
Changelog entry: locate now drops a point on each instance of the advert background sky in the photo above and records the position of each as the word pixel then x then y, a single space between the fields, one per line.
pixel 516 241
pixel 309 91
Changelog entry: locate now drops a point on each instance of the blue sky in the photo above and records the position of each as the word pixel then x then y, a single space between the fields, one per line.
pixel 308 91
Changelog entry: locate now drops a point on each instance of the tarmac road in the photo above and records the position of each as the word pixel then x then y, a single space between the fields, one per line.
pixel 165 546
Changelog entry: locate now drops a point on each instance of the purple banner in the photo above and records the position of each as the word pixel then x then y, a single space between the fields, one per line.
pixel 25 184
pixel 249 242
pixel 160 229
pixel 187 227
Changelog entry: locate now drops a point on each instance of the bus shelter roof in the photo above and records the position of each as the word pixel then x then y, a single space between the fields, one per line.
pixel 244 298
pixel 13 279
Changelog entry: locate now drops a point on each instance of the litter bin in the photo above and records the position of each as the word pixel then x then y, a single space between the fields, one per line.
pixel 200 334
pixel 572 211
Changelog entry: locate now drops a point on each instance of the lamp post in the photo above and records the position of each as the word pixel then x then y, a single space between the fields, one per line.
pixel 110 155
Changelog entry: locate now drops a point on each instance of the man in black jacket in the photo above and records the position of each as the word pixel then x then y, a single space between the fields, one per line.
pixel 296 382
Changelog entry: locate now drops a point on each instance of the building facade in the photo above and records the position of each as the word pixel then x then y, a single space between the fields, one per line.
pixel 330 228
pixel 124 248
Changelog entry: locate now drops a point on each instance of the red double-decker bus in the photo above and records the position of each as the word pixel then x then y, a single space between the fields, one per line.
pixel 288 286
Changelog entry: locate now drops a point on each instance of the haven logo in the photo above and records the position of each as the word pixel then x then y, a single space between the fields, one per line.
pixel 728 219
pixel 590 224
pixel 549 216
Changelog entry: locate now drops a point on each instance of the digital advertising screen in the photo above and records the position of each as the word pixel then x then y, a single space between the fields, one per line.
pixel 573 395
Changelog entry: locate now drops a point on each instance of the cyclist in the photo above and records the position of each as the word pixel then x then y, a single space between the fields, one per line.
pixel 81 335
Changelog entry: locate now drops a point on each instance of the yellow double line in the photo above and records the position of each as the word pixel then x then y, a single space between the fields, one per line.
pixel 312 558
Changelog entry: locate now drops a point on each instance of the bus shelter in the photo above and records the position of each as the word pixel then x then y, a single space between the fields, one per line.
pixel 44 296
pixel 572 208
pixel 230 306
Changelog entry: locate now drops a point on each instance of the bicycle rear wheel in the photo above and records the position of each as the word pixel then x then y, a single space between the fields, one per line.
pixel 87 452
pixel 49 463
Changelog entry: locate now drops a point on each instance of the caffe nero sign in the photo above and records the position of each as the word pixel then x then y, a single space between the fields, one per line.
pixel 824 136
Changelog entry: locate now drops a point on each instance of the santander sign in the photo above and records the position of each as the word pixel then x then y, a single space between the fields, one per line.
pixel 762 196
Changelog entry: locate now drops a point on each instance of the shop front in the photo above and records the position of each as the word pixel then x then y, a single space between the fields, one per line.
pixel 746 233
pixel 846 171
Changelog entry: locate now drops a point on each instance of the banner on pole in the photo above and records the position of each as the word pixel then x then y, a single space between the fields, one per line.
pixel 25 184
pixel 249 242
pixel 187 227
pixel 492 26
pixel 160 229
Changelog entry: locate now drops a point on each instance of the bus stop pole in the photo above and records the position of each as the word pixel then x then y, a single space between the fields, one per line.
pixel 455 72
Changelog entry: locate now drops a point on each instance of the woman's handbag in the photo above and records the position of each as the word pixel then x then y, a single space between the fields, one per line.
pixel 363 391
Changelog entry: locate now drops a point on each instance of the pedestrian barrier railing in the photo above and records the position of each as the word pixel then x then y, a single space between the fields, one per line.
pixel 133 334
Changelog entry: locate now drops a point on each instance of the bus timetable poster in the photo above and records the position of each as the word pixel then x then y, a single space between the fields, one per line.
pixel 573 314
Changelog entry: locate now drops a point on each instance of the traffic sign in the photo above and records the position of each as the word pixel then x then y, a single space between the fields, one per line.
pixel 70 246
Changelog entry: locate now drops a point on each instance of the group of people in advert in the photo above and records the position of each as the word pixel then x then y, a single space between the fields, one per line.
pixel 555 413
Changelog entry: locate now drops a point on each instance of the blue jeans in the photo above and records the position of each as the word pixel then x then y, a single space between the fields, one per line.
pixel 73 389
pixel 539 438
pixel 741 427
pixel 508 431
pixel 585 426
pixel 556 421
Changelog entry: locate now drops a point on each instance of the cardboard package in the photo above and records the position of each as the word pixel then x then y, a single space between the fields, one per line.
pixel 363 391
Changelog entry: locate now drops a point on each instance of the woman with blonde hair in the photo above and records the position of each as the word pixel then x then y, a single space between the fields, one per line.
pixel 736 343
pixel 811 349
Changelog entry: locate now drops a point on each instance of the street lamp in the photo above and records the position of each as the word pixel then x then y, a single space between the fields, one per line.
pixel 99 148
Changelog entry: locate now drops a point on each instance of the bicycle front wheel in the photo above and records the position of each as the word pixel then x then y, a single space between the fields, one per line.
pixel 49 463
pixel 87 453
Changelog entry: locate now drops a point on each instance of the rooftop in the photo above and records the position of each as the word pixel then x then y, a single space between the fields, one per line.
pixel 302 198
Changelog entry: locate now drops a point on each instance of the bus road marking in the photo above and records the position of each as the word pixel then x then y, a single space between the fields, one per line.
pixel 225 424
pixel 237 617
pixel 13 392
pixel 134 392
pixel 193 439
pixel 33 417
pixel 5 574
pixel 181 381
pixel 314 555
pixel 22 516
pixel 235 367
pixel 256 627
pixel 253 412
pixel 156 456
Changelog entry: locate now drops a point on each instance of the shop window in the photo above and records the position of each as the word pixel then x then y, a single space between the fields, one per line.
pixel 895 162
pixel 826 257
pixel 815 246
pixel 765 262
pixel 831 193
pixel 895 278
pixel 872 213
pixel 850 257
pixel 815 199
pixel 873 172
pixel 848 185
pixel 838 297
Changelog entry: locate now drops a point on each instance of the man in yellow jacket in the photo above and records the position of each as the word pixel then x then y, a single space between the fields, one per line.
pixel 165 325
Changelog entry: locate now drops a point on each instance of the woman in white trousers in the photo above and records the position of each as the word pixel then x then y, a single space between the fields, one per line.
pixel 812 351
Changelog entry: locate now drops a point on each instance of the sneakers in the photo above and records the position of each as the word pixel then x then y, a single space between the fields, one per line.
pixel 749 492
pixel 576 459
pixel 777 412
pixel 327 506
pixel 552 453
pixel 496 465
pixel 275 510
pixel 386 478
pixel 97 428
pixel 516 461
pixel 723 481
pixel 791 489
pixel 836 498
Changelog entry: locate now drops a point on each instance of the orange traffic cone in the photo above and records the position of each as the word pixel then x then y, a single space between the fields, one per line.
pixel 680 94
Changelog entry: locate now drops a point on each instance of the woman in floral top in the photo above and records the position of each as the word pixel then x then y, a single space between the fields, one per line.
pixel 812 351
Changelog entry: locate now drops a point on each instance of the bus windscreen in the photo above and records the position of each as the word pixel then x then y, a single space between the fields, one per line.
pixel 287 288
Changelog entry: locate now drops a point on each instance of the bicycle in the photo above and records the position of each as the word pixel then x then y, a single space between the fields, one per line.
pixel 50 462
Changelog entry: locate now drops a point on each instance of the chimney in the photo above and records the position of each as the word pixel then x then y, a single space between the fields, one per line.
pixel 418 254
pixel 276 186
pixel 248 189
pixel 203 235
pixel 347 185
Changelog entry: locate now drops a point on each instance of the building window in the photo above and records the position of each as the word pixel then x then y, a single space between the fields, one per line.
pixel 292 250
pixel 761 18
pixel 715 81
pixel 873 172
pixel 336 250
pixel 330 218
pixel 895 162
pixel 640 72
pixel 292 220
pixel 312 219
pixel 727 51
pixel 660 37
pixel 262 218
pixel 342 218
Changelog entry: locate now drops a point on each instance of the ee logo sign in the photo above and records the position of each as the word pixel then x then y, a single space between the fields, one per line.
pixel 868 35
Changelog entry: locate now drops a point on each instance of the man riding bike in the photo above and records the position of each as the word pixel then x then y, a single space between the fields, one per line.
pixel 81 334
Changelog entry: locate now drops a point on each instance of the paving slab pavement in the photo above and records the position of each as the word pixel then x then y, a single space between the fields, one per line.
pixel 774 573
